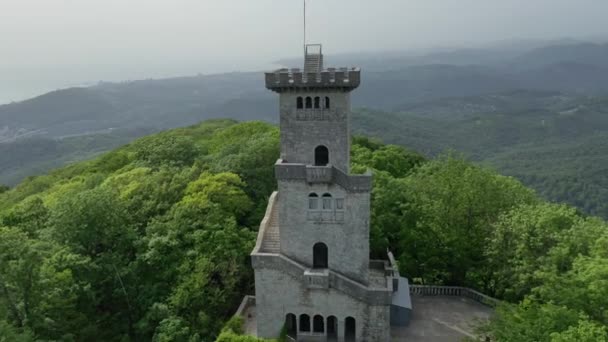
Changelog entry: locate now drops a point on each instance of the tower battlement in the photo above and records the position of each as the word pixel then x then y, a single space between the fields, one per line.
pixel 346 79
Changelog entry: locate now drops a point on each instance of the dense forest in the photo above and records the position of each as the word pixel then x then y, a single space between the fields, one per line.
pixel 151 241
pixel 552 142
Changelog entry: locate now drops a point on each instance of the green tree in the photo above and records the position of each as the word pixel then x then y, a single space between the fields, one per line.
pixel 530 321
pixel 518 243
pixel 29 216
pixel 454 204
pixel 96 225
pixel 583 287
pixel 8 333
pixel 165 149
pixel 585 331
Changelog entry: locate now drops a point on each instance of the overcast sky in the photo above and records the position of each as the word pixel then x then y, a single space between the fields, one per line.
pixel 114 39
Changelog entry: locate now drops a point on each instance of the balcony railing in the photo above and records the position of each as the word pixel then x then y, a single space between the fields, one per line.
pixel 325 216
pixel 323 174
pixel 319 174
pixel 317 279
pixel 433 290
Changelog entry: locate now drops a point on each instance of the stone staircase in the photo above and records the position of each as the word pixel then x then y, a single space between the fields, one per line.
pixel 272 242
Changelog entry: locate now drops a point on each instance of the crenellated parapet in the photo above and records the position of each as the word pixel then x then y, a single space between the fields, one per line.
pixel 294 79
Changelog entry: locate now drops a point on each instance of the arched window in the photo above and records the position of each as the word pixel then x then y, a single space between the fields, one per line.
pixel 291 325
pixel 327 202
pixel 321 156
pixel 319 255
pixel 304 323
pixel 313 201
pixel 317 102
pixel 318 325
pixel 309 102
pixel 350 329
pixel 327 102
pixel 300 103
pixel 332 328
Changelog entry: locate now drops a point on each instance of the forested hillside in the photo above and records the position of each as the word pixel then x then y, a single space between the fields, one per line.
pixel 534 111
pixel 553 142
pixel 151 241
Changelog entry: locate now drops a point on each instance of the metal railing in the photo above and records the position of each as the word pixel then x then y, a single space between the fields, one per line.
pixel 457 291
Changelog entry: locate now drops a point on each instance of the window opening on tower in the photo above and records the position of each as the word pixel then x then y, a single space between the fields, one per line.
pixel 313 201
pixel 327 202
pixel 321 156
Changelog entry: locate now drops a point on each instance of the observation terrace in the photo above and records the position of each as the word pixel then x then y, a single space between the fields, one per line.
pixel 435 318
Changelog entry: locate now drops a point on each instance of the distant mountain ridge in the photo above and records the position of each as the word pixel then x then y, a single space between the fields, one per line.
pixel 487 103
pixel 580 68
pixel 582 54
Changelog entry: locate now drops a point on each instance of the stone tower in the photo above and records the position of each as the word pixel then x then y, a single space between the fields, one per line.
pixel 313 275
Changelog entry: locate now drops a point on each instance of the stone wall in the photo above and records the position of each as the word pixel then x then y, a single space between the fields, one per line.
pixel 347 240
pixel 302 130
pixel 279 294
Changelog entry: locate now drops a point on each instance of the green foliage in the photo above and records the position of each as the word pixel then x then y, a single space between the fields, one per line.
pixel 556 260
pixel 447 206
pixel 519 240
pixel 450 222
pixel 552 142
pixel 8 333
pixel 531 322
pixel 230 336
pixel 235 324
pixel 151 241
pixel 585 331
pixel 165 149
pixel 233 332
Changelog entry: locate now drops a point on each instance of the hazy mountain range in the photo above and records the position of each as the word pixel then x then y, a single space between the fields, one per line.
pixel 521 108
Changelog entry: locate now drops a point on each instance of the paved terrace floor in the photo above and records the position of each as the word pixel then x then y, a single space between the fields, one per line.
pixel 442 319
pixel 434 319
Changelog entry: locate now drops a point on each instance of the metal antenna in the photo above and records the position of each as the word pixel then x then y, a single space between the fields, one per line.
pixel 304 28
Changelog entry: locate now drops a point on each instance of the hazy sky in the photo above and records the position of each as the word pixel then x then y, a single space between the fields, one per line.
pixel 89 40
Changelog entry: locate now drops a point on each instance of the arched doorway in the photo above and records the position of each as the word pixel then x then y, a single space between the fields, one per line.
pixel 332 328
pixel 319 255
pixel 304 323
pixel 318 324
pixel 350 330
pixel 321 156
pixel 291 325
